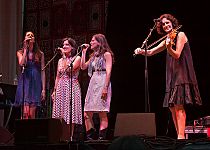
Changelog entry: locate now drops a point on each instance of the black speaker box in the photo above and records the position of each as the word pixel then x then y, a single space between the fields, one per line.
pixel 48 130
pixel 135 124
pixel 6 138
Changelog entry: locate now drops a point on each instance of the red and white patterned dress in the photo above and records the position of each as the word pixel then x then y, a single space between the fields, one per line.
pixel 62 106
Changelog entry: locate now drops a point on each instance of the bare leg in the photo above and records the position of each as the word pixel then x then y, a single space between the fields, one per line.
pixel 89 125
pixel 72 131
pixel 88 120
pixel 26 112
pixel 68 131
pixel 103 125
pixel 181 120
pixel 32 112
pixel 173 113
pixel 103 120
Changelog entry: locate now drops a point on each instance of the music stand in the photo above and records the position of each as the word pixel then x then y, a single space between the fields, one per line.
pixel 9 91
pixel 8 98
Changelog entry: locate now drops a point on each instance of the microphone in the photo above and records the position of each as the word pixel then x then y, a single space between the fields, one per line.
pixel 28 39
pixel 157 20
pixel 58 49
pixel 84 45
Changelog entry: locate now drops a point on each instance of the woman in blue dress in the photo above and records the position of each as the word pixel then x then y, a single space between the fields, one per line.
pixel 31 81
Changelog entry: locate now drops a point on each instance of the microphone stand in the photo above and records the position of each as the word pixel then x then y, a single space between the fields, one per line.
pixel 23 76
pixel 71 69
pixel 50 61
pixel 144 44
pixel 23 92
pixel 55 54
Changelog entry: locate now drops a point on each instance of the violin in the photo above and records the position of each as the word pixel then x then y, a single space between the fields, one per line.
pixel 170 35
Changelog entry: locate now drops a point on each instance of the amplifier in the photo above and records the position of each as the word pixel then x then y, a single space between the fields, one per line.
pixel 200 131
pixel 204 121
pixel 41 130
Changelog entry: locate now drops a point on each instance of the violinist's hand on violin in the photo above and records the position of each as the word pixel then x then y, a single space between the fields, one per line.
pixel 168 42
pixel 138 51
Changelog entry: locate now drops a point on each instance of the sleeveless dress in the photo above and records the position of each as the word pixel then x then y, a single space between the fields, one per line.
pixel 181 82
pixel 30 81
pixel 97 72
pixel 62 106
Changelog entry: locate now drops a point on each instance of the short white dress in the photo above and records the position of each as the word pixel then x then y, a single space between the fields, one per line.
pixel 97 72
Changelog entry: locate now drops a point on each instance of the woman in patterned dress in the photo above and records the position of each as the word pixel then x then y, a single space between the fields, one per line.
pixel 32 77
pixel 98 95
pixel 181 82
pixel 65 106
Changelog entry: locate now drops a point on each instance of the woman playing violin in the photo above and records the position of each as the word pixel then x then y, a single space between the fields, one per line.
pixel 181 82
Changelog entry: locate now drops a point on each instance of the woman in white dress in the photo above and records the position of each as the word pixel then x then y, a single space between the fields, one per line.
pixel 98 95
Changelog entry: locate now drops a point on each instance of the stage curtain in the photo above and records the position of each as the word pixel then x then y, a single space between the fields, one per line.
pixel 10 37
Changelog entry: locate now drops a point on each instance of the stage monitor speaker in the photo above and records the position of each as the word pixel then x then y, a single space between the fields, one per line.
pixel 135 124
pixel 6 138
pixel 47 130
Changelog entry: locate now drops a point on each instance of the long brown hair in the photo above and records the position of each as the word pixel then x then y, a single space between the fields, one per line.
pixel 104 46
pixel 36 50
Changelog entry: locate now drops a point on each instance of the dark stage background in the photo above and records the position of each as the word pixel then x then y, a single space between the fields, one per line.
pixel 128 24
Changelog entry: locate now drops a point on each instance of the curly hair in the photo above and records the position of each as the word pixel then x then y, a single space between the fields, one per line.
pixel 173 20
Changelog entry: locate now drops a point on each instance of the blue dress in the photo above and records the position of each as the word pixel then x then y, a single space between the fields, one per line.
pixel 31 79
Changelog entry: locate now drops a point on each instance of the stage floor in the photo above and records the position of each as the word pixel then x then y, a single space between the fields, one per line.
pixel 119 143
pixel 45 134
